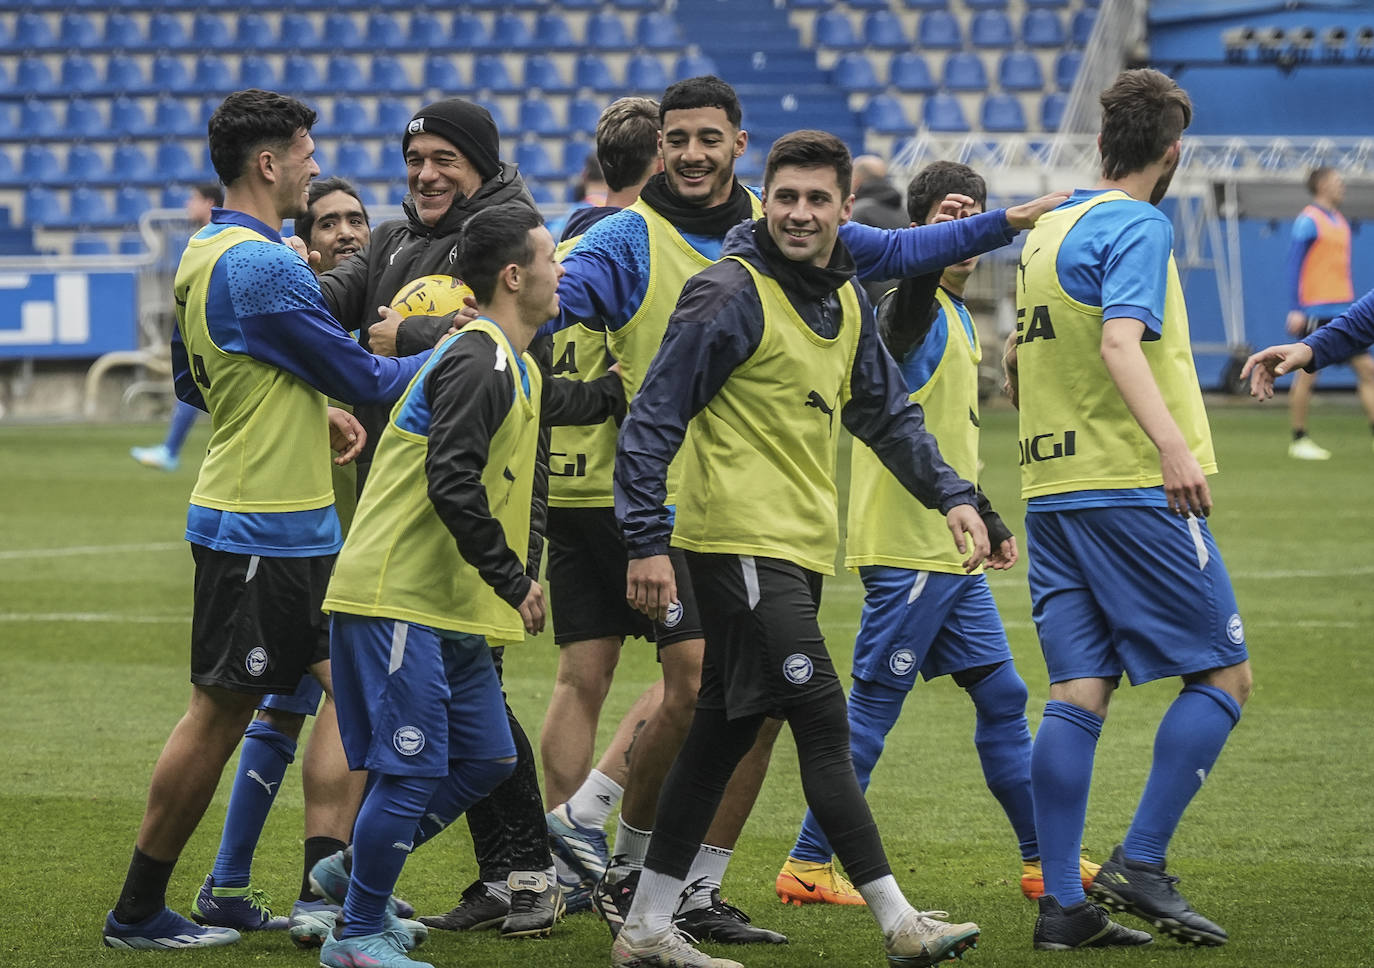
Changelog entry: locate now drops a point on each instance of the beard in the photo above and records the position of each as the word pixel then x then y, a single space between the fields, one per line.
pixel 1162 186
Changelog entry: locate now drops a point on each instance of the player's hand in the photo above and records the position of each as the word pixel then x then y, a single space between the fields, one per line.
pixel 1023 216
pixel 346 436
pixel 1271 362
pixel 1296 323
pixel 651 585
pixel 1002 557
pixel 1184 483
pixel 954 206
pixel 381 335
pixel 970 534
pixel 311 256
pixel 1011 374
pixel 533 610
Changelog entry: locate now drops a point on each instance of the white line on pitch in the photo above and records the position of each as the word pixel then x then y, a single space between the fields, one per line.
pixel 118 617
pixel 22 554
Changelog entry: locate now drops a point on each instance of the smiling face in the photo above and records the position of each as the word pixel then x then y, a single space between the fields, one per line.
pixel 437 173
pixel 538 295
pixel 804 209
pixel 294 168
pixel 699 147
pixel 340 228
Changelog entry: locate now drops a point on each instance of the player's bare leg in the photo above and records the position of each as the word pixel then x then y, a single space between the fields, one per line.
pixel 568 738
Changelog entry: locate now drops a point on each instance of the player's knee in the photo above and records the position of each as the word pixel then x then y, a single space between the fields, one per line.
pixel 288 724
pixel 998 692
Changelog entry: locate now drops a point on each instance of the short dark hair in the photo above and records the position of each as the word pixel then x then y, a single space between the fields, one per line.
pixel 810 149
pixel 319 188
pixel 248 121
pixel 491 240
pixel 1143 113
pixel 627 140
pixel 210 191
pixel 1315 176
pixel 938 179
pixel 707 91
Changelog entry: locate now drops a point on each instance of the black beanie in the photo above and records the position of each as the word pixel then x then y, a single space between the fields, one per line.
pixel 468 126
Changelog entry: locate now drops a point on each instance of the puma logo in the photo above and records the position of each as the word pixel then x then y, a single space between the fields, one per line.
pixel 255 775
pixel 814 399
pixel 1022 266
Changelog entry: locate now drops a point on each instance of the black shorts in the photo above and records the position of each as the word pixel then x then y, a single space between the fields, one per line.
pixel 257 626
pixel 764 648
pixel 586 575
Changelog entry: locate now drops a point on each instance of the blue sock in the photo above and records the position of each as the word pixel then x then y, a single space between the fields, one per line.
pixel 263 759
pixel 1004 747
pixel 467 782
pixel 873 711
pixel 382 840
pixel 1189 739
pixel 1061 776
pixel 183 419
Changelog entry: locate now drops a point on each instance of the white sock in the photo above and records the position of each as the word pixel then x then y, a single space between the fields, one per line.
pixel 500 888
pixel 594 800
pixel 633 843
pixel 886 901
pixel 651 914
pixel 708 870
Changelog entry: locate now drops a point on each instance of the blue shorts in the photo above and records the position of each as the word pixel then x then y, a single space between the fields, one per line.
pixel 927 621
pixel 410 700
pixel 1133 589
pixel 305 701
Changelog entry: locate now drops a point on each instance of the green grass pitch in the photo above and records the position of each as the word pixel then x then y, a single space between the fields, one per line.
pixel 95 592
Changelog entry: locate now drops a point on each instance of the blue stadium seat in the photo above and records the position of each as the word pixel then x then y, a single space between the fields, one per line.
pixel 593 72
pixel 1019 70
pixel 1066 67
pixel 441 73
pixel 166 32
pixel 392 114
pixel 389 75
pixel 498 113
pixel 341 33
pixel 84 243
pixel 693 64
pixel 130 204
pixel 349 118
pixel 353 159
pixel 171 116
pixel 322 157
pixel 1047 3
pixel 79 74
pixel 1002 112
pixel 33 32
pixel 170 74
pixel 87 206
pixel 940 31
pixel 964 71
pixel 122 32
pixel 469 31
pixel 300 76
pixel 123 73
pixel 536 116
pixel 551 31
pixel 541 193
pixel 575 154
pixel 580 4
pixel 606 31
pixel 1052 110
pixel 534 161
pixel 910 73
pixel 384 33
pixel 84 164
pixel 33 76
pixel 173 196
pixel 1042 28
pixel 297 32
pixel 809 4
pixel 636 4
pixel 9 125
pixel 583 114
pixel 645 73
pixel 396 193
pixel 657 30
pixel 834 29
pixel 991 28
pixel 257 71
pixel 127 118
pixel 854 72
pixel 85 119
pixel 986 4
pixel 213 74
pixel 42 207
pixel 9 171
pixel 131 243
pixel 77 32
pixel 425 31
pixel 129 163
pixel 343 73
pixel 253 33
pixel 943 113
pixel 510 32
pixel 1082 26
pixel 489 74
pixel 541 73
pixel 884 114
pixel 882 30
pixel 38 119
pixel 209 32
pixel 38 163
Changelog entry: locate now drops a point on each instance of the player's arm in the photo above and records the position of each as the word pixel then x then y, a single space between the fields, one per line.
pixel 415 334
pixel 601 286
pixel 1349 333
pixel 906 313
pixel 1304 234
pixel 542 352
pixel 345 287
pixel 1001 541
pixel 183 382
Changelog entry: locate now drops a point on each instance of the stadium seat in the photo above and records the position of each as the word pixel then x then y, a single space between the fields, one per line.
pixel 575 154
pixel 42 207
pixel 425 31
pixel 854 72
pixel 834 29
pixel 343 73
pixel 127 118
pixel 396 193
pixel 510 32
pixel 171 116
pixel 253 33
pixel 297 32
pixel 580 4
pixel 940 31
pixel 441 73
pixel 129 163
pixel 1047 3
pixel 884 114
pixel 468 31
pixel 636 4
pixel 77 32
pixel 300 76
pixel 209 32
pixel 533 160
pixel 121 32
pixel 257 71
pixel 991 28
pixel 38 163
pixel 593 72
pixel 693 64
pixel 606 31
pixel 392 114
pixel 166 32
pixel 169 74
pixel 33 32
pixel 657 30
pixel 542 74
pixel 551 32
pixel 964 71
pixel 389 75
pixel 1042 28
pixel 122 74
pixel 79 74
pixel 349 118
pixel 33 76
pixel 541 193
pixel 87 206
pixel 9 124
pixel 9 171
pixel 882 30
pixel 130 204
pixel 645 73
pixel 1002 112
pixel 341 33
pixel 986 4
pixel 213 74
pixel 353 159
pixel 489 74
pixel 38 118
pixel 1019 70
pixel 131 243
pixel 584 113
pixel 910 73
pixel 1082 26
pixel 84 120
pixel 85 243
pixel 384 33
pixel 173 196
pixel 1052 110
pixel 1066 67
pixel 943 113
pixel 536 116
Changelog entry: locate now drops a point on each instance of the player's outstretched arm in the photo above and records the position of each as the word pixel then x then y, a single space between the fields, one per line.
pixel 1271 362
pixel 1023 216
